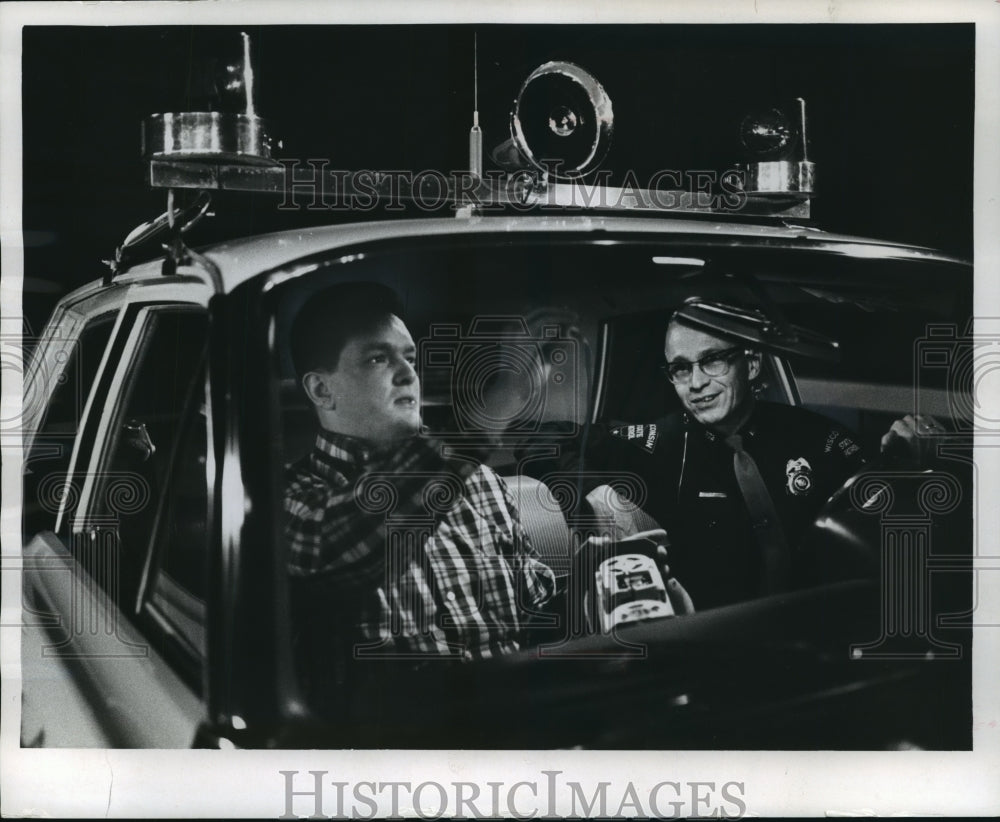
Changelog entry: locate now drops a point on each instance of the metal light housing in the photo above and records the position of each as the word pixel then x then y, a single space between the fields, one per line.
pixel 562 121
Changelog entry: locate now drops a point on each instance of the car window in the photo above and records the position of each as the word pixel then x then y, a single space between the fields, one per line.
pixel 881 374
pixel 488 321
pixel 144 441
pixel 173 587
pixel 523 349
pixel 182 521
pixel 508 337
pixel 519 337
pixel 48 462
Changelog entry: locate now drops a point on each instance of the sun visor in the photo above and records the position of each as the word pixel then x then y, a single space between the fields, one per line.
pixel 753 326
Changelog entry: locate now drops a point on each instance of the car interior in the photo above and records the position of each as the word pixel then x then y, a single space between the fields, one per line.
pixel 533 340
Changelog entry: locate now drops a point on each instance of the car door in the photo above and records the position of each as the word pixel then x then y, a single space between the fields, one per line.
pixel 113 652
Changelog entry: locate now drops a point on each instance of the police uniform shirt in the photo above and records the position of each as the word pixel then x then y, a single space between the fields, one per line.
pixel 692 491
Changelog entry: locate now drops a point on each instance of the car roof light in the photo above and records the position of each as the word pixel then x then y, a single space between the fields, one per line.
pixel 235 138
pixel 561 127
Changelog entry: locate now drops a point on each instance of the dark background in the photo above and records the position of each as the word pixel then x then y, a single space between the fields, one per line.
pixel 891 112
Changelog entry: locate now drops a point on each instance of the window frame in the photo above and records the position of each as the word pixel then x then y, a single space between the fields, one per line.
pixel 260 296
pixel 149 677
pixel 141 318
pixel 53 357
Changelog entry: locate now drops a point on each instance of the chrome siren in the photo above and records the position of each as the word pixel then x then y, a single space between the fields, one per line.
pixel 234 138
pixel 561 123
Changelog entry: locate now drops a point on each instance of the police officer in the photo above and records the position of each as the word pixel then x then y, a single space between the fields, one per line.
pixel 734 480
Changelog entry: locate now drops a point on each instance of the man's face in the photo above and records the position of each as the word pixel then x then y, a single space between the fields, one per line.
pixel 723 402
pixel 374 393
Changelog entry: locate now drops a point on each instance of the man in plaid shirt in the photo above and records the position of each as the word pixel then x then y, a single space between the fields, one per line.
pixel 417 553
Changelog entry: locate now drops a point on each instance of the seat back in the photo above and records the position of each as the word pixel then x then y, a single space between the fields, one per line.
pixel 543 521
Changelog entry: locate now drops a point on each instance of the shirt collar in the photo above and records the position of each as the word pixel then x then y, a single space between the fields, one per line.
pixel 334 456
pixel 747 430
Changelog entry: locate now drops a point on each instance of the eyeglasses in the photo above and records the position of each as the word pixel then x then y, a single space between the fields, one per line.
pixel 715 364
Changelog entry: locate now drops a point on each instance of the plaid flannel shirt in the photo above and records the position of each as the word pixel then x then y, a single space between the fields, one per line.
pixel 426 555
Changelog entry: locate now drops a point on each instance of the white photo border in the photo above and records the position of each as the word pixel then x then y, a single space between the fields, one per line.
pixel 204 783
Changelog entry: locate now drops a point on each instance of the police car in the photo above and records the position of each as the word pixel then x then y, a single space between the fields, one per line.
pixel 162 407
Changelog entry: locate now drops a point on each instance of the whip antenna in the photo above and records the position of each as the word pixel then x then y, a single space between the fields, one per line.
pixel 248 75
pixel 475 133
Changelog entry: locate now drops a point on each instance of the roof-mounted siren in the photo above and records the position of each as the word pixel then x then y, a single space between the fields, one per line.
pixel 232 138
pixel 781 167
pixel 561 123
pixel 196 150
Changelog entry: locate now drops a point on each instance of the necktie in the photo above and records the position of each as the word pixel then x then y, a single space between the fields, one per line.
pixel 767 526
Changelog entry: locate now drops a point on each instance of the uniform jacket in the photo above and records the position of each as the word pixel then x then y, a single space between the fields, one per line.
pixel 684 477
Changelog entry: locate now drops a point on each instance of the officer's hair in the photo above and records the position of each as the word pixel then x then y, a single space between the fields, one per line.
pixel 332 318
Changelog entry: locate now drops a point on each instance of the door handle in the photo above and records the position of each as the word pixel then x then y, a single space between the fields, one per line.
pixel 137 438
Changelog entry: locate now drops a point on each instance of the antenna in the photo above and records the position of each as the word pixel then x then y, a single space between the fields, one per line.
pixel 248 74
pixel 475 133
pixel 802 127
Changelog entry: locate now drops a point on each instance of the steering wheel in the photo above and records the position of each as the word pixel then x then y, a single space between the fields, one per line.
pixel 849 534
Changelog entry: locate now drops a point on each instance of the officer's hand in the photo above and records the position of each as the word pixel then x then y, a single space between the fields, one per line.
pixel 679 598
pixel 913 437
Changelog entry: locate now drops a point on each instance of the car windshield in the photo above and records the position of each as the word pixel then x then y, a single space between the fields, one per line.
pixel 526 350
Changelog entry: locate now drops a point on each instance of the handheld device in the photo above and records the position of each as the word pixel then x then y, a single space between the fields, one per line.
pixel 629 588
pixel 621 581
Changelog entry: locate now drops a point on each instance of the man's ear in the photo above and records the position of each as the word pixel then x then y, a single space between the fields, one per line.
pixel 753 364
pixel 317 387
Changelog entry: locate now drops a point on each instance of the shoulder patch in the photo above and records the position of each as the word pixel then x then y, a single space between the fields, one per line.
pixel 847 446
pixel 839 442
pixel 644 436
pixel 831 438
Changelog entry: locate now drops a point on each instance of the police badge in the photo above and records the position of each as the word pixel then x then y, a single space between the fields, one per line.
pixel 799 474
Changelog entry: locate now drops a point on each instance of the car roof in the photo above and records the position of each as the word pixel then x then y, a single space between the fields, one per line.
pixel 242 259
